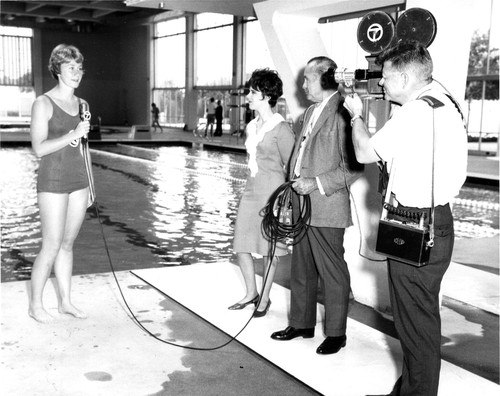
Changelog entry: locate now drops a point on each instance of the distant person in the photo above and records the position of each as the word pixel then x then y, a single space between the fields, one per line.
pixel 210 117
pixel 249 115
pixel 156 115
pixel 269 145
pixel 219 116
pixel 62 185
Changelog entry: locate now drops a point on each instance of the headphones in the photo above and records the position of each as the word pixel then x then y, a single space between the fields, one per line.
pixel 327 79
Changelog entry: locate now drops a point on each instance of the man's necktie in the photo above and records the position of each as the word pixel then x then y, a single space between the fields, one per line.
pixel 303 142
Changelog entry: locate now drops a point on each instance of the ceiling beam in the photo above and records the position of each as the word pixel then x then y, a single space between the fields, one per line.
pixel 32 6
pixel 67 10
pixel 95 5
pixel 100 13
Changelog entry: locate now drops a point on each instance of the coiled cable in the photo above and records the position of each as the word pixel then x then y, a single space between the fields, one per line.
pixel 279 223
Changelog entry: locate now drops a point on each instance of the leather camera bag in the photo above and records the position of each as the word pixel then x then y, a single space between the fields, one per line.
pixel 402 234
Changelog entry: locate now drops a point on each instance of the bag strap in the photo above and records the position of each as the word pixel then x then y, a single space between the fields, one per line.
pixel 388 191
pixel 434 104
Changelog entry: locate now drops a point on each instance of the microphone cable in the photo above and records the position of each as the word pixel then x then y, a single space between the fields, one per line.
pixel 275 229
pixel 85 115
pixel 134 317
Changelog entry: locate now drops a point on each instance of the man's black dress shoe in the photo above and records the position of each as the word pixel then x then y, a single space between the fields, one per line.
pixel 291 332
pixel 331 345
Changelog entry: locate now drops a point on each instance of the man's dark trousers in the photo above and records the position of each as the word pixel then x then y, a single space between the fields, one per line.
pixel 415 304
pixel 320 252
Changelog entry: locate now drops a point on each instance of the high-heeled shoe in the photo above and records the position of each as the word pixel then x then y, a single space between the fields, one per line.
pixel 260 314
pixel 253 301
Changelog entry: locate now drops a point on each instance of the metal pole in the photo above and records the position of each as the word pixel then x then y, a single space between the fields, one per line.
pixel 484 81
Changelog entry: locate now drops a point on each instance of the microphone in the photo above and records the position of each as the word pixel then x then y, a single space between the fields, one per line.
pixel 84 115
pixel 84 112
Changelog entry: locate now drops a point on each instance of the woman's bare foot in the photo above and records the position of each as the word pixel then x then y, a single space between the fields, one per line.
pixel 40 315
pixel 70 309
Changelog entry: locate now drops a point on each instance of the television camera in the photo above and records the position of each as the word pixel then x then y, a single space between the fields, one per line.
pixel 377 32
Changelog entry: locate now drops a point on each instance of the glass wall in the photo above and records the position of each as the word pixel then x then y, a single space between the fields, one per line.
pixel 225 98
pixel 170 102
pixel 170 54
pixel 170 71
pixel 16 77
pixel 214 50
pixel 212 69
pixel 214 63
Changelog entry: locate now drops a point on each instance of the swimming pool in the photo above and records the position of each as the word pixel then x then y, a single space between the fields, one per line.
pixel 161 206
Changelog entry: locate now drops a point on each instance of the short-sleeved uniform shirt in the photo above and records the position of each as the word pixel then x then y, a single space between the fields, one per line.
pixel 407 137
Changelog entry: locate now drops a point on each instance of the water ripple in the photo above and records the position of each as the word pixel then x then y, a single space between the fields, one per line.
pixel 160 207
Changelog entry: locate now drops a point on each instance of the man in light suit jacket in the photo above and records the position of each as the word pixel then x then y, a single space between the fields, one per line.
pixel 323 165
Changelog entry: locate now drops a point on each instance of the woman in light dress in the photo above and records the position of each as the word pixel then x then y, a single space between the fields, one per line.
pixel 269 145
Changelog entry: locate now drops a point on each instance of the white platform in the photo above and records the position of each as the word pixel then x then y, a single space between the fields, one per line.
pixel 369 364
pixel 482 292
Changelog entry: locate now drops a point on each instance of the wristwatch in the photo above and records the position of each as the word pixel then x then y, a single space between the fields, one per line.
pixel 355 118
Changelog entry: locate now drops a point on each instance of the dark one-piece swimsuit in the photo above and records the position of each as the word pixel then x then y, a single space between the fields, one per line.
pixel 64 170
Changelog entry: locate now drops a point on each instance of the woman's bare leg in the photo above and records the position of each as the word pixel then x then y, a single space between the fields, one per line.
pixel 63 267
pixel 245 261
pixel 52 209
pixel 267 277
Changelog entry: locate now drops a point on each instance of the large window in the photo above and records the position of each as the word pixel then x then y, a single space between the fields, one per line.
pixel 214 63
pixel 16 78
pixel 170 71
pixel 170 54
pixel 170 102
pixel 214 50
pixel 225 98
pixel 212 70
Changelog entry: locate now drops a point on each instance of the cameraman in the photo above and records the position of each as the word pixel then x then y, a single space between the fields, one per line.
pixel 407 139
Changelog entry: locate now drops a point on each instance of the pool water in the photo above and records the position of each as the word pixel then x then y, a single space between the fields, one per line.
pixel 159 207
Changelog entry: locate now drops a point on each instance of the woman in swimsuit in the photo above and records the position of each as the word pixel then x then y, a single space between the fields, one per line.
pixel 62 184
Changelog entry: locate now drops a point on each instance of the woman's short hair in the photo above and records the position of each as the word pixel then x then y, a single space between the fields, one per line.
pixel 63 53
pixel 268 82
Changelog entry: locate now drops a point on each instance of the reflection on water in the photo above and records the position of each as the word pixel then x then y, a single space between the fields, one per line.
pixel 20 231
pixel 177 209
pixel 168 206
